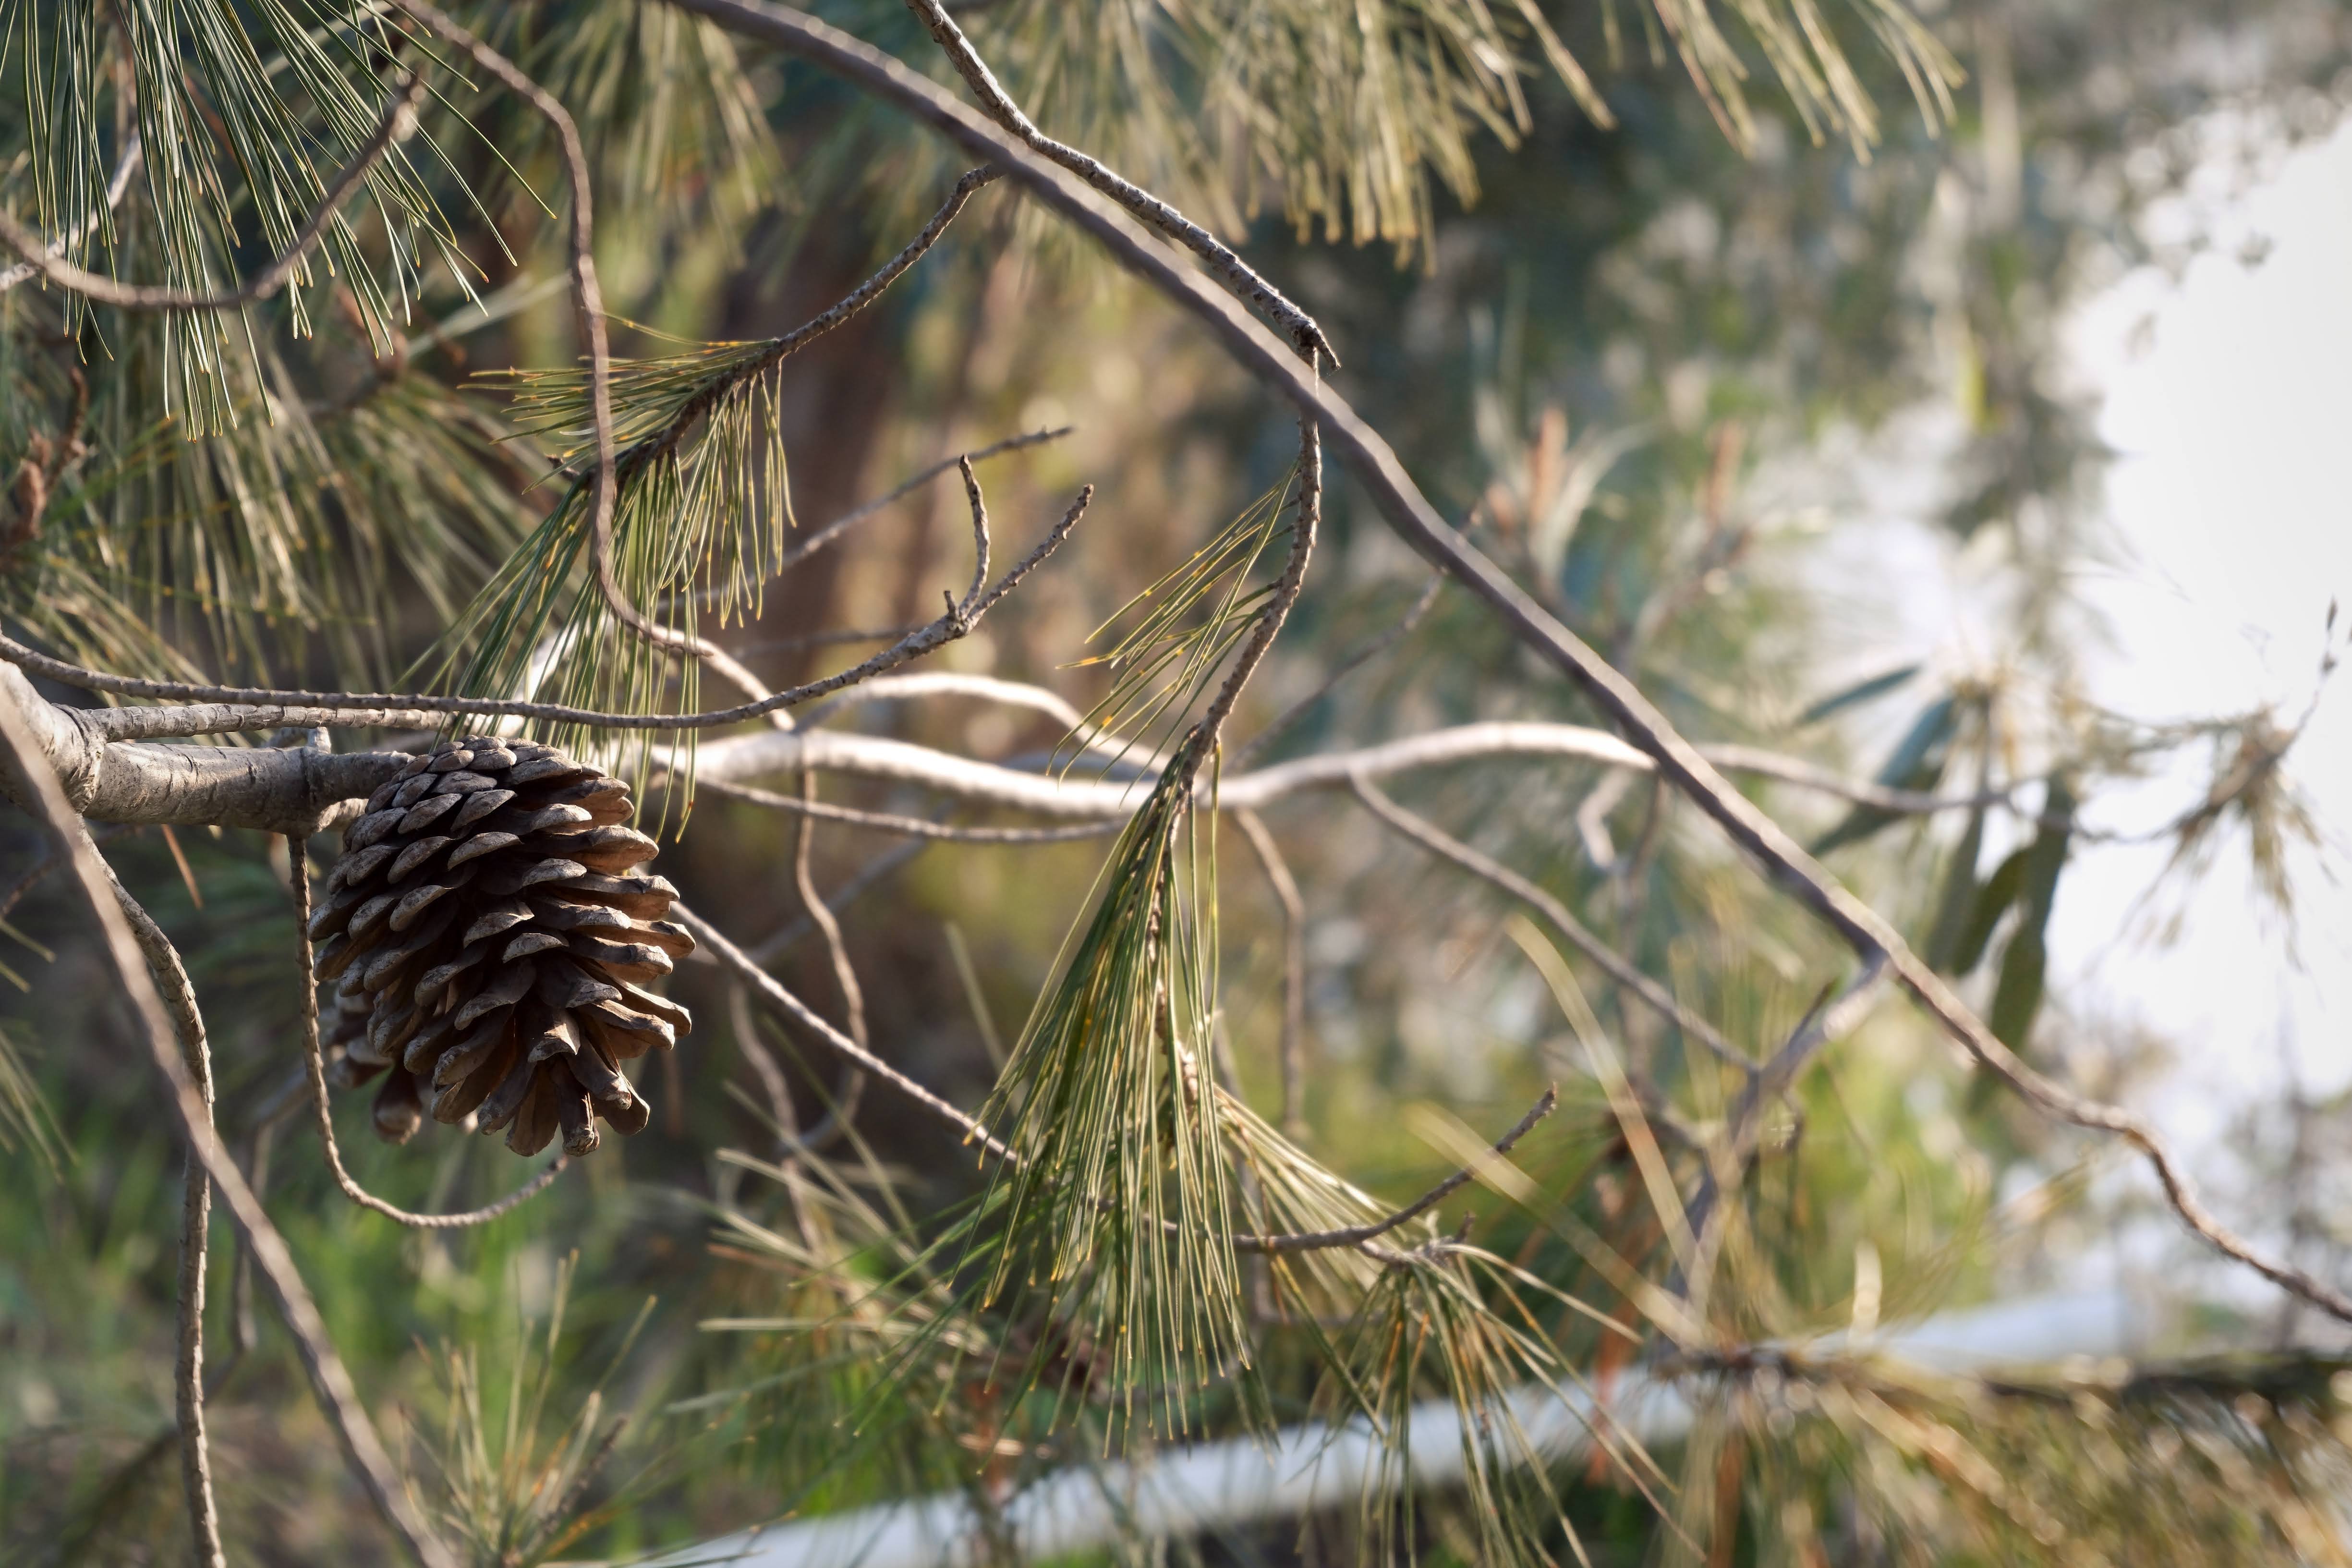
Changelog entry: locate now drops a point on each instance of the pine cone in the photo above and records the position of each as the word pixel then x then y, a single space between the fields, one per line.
pixel 492 939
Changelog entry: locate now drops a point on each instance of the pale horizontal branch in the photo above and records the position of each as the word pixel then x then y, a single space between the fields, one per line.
pixel 226 787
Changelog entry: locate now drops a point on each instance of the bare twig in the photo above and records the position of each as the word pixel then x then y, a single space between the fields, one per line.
pixel 399 119
pixel 772 991
pixel 1446 848
pixel 1356 1236
pixel 1347 665
pixel 822 537
pixel 845 974
pixel 117 188
pixel 347 710
pixel 38 783
pixel 298 882
pixel 909 827
pixel 171 977
pixel 870 875
pixel 1409 513
pixel 1244 279
pixel 1293 1039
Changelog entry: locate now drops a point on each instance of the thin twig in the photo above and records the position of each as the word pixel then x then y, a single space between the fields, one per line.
pixel 845 974
pixel 1358 1234
pixel 1347 665
pixel 1244 279
pixel 399 119
pixel 347 710
pixel 314 1059
pixel 329 1381
pixel 773 992
pixel 870 875
pixel 117 188
pixel 822 537
pixel 179 995
pixel 1447 847
pixel 1293 1040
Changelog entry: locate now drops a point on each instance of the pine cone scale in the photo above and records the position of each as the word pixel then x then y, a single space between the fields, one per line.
pixel 491 935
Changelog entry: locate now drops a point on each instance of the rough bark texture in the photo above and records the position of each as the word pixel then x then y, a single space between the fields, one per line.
pixel 289 792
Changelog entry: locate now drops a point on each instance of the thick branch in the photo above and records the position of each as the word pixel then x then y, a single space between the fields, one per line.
pixel 278 791
pixel 37 784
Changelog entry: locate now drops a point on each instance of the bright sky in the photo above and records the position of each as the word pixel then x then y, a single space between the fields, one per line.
pixel 2228 401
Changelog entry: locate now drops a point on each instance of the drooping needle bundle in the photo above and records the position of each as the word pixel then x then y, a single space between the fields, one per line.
pixel 492 936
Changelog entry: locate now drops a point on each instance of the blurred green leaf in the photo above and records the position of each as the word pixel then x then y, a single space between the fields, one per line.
pixel 2018 995
pixel 1860 692
pixel 1999 891
pixel 1958 896
pixel 1917 764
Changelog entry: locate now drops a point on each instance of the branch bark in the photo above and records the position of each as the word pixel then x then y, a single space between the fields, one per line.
pixel 33 781
pixel 278 791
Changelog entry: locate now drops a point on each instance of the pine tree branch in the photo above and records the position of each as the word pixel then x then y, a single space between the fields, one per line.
pixel 1401 503
pixel 351 710
pixel 1000 107
pixel 227 786
pixel 845 974
pixel 399 119
pixel 38 785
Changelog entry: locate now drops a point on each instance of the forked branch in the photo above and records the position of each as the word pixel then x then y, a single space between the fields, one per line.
pixel 36 783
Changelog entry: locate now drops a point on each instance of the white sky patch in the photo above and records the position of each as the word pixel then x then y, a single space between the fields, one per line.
pixel 2227 399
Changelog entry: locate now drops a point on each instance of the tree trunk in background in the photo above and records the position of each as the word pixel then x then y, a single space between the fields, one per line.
pixel 835 396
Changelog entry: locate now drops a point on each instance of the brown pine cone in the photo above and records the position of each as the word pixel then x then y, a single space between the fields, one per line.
pixel 492 938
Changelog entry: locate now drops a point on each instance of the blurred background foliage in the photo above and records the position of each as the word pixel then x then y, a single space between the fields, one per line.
pixel 1605 301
